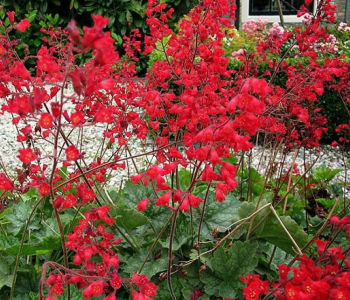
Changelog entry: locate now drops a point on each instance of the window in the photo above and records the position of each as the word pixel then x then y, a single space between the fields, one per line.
pixel 270 7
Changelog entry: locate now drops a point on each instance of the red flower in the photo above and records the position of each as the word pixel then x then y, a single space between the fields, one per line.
pixel 11 16
pixel 111 296
pixel 46 121
pixel 116 282
pixel 46 63
pixel 102 213
pixel 85 194
pixel 139 280
pixel 142 205
pixel 26 155
pixel 184 204
pixel 100 21
pixel 139 296
pixel 5 183
pixel 57 203
pixel 194 201
pixel 149 289
pixel 77 118
pixel 72 153
pixel 321 245
pixel 104 115
pixel 209 174
pixel 255 287
pixel 341 293
pixel 23 25
pixel 20 70
pixel 94 289
pixel 164 199
pixel 205 136
pixel 292 292
pixel 70 201
pixel 44 189
pixel 57 289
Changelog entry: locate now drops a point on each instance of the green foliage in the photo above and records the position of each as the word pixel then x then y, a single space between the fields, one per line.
pixel 333 108
pixel 158 54
pixel 124 16
pixel 30 236
pixel 267 227
pixel 218 215
pixel 237 254
pixel 128 219
pixel 227 266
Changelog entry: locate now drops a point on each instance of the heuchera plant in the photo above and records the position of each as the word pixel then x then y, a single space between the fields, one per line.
pixel 198 112
pixel 325 277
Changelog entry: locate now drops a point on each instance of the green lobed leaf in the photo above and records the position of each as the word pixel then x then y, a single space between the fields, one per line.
pixel 217 287
pixel 218 215
pixel 128 219
pixel 5 270
pixel 223 279
pixel 27 280
pixel 325 173
pixel 47 245
pixel 268 228
pixel 177 243
pixel 17 216
pixel 192 282
pixel 239 260
pixel 152 266
pixel 163 290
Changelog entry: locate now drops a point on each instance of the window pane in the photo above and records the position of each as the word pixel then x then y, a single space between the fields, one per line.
pixel 270 7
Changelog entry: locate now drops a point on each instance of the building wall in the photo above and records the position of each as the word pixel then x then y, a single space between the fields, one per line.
pixel 340 10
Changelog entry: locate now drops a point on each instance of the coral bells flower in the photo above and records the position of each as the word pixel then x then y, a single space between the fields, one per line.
pixel 20 70
pixel 94 289
pixel 23 25
pixel 26 155
pixel 255 287
pixel 57 289
pixel 44 189
pixel 149 289
pixel 5 183
pixel 77 118
pixel 142 205
pixel 11 16
pixel 72 153
pixel 84 193
pixel 139 296
pixel 70 201
pixel 116 281
pixel 110 297
pixel 46 121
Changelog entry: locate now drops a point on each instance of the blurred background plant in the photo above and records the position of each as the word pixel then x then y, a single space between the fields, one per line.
pixel 124 16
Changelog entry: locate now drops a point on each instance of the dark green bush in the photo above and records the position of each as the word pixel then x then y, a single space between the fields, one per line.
pixel 124 16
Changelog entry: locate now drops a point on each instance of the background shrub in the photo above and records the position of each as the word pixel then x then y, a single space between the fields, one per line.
pixel 124 16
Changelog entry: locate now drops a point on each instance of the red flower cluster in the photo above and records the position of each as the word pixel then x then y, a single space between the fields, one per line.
pixel 327 277
pixel 98 274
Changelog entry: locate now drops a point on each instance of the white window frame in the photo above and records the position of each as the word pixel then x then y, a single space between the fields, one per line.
pixel 287 18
